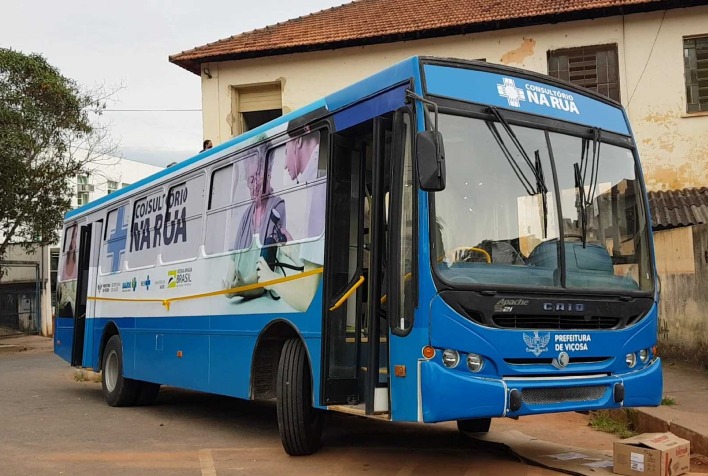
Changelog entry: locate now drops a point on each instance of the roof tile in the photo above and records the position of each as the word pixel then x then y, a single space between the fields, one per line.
pixel 677 208
pixel 371 21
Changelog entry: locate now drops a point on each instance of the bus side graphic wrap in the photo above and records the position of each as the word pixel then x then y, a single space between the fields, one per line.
pixel 264 239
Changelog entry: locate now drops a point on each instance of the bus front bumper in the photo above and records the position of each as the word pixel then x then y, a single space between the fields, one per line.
pixel 453 394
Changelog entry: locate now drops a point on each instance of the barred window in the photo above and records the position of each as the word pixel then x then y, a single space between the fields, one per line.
pixel 592 67
pixel 695 60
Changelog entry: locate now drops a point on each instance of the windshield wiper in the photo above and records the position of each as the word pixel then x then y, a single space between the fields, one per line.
pixel 585 200
pixel 541 188
pixel 510 158
pixel 536 166
pixel 536 171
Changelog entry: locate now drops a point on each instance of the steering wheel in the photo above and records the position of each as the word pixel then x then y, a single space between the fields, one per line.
pixel 476 250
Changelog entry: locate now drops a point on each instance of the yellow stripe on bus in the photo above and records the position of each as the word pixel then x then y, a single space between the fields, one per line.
pixel 248 287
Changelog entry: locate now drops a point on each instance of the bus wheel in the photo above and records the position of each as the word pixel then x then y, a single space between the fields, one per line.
pixel 117 390
pixel 476 425
pixel 147 393
pixel 299 424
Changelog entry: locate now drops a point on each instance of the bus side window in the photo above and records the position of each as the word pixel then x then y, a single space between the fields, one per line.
pixel 182 225
pixel 115 241
pixel 146 230
pixel 66 288
pixel 70 253
pixel 219 198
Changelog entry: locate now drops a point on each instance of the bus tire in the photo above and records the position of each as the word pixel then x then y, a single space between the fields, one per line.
pixel 117 390
pixel 299 424
pixel 474 425
pixel 147 393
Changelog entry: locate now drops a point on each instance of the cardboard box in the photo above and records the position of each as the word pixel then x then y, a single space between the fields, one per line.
pixel 652 454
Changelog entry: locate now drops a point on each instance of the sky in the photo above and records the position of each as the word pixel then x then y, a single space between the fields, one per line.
pixel 155 115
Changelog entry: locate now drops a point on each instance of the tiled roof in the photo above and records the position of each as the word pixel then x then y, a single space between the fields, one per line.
pixel 363 22
pixel 676 208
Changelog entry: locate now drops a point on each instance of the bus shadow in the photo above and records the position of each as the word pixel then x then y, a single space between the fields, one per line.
pixel 341 431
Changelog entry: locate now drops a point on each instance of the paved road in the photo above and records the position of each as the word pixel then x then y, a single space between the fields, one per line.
pixel 50 424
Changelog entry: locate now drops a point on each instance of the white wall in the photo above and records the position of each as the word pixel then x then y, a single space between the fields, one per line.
pixel 673 145
pixel 118 170
pixel 20 274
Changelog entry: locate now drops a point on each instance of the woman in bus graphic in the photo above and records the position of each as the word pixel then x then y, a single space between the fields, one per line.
pixel 70 262
pixel 266 219
pixel 66 288
pixel 302 155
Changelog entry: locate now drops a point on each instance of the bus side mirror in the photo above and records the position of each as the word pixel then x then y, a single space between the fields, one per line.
pixel 430 159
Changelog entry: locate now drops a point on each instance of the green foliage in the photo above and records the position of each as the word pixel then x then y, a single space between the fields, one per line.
pixel 668 401
pixel 47 139
pixel 619 424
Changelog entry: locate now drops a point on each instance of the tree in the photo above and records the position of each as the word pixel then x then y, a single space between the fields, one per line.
pixel 47 138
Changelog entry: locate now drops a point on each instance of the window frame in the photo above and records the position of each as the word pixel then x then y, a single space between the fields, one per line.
pixel 561 54
pixel 200 215
pixel 699 105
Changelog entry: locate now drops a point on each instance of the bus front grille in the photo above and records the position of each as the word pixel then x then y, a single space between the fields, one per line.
pixel 551 395
pixel 549 360
pixel 521 321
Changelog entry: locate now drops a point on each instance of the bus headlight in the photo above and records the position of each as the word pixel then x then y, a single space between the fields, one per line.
pixel 644 355
pixel 474 362
pixel 631 360
pixel 450 358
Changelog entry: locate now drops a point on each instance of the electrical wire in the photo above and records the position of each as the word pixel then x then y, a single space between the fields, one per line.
pixel 631 96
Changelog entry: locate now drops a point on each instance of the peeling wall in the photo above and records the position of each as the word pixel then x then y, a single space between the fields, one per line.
pixel 682 262
pixel 673 144
pixel 519 54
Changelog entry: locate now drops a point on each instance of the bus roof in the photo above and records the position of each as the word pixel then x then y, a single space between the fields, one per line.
pixel 396 74
pixel 411 68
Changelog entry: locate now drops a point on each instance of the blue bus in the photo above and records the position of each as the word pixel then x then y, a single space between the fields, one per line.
pixel 445 240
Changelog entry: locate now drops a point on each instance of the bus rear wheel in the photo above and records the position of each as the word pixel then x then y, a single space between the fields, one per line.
pixel 475 425
pixel 300 424
pixel 117 390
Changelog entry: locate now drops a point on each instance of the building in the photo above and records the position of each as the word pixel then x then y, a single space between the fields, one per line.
pixel 680 219
pixel 651 55
pixel 28 286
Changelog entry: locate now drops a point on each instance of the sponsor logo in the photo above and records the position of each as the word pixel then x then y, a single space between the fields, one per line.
pixel 129 285
pixel 537 344
pixel 513 95
pixel 507 305
pixel 179 277
pixel 146 283
pixel 106 287
pixel 542 96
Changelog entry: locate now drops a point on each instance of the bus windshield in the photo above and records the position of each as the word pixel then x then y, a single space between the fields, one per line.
pixel 514 194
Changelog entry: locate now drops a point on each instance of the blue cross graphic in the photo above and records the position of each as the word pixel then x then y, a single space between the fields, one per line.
pixel 117 240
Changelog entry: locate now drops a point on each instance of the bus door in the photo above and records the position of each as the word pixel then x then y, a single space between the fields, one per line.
pixel 89 243
pixel 355 331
